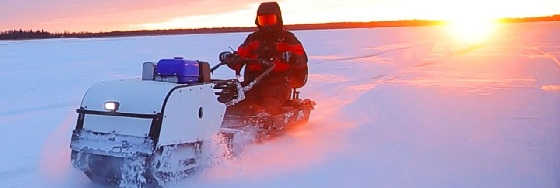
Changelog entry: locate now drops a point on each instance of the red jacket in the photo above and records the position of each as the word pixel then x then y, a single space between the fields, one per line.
pixel 266 45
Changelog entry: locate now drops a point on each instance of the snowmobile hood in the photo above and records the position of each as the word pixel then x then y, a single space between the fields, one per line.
pixel 133 96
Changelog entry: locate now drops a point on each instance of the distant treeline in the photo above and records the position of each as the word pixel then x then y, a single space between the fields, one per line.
pixel 532 19
pixel 30 34
pixel 347 25
pixel 20 34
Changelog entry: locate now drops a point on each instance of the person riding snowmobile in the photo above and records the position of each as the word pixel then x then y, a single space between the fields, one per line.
pixel 274 43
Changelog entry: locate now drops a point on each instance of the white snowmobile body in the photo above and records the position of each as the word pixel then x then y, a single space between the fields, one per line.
pixel 167 114
pixel 141 126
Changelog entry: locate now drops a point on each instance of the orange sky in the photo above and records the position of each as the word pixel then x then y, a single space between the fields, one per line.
pixel 106 15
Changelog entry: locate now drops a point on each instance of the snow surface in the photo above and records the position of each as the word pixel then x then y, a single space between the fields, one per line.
pixel 396 107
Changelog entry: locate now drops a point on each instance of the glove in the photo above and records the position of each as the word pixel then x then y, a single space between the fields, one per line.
pixel 233 62
pixel 228 91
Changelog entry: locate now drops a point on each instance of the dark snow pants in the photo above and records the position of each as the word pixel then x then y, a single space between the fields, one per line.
pixel 267 97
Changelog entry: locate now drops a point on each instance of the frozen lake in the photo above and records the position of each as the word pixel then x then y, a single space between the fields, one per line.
pixel 396 107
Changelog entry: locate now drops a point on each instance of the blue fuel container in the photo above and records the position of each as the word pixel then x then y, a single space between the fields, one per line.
pixel 186 71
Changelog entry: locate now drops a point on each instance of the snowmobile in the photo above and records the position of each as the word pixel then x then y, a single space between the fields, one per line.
pixel 151 131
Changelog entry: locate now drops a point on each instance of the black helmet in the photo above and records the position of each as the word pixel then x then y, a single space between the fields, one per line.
pixel 269 15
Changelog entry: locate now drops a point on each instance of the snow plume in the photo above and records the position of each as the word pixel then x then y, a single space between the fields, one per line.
pixel 55 157
pixel 219 149
pixel 302 148
pixel 54 165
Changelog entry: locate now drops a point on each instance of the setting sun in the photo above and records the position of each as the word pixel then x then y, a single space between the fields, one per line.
pixel 471 31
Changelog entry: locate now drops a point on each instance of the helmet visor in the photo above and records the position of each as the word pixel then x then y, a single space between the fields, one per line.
pixel 267 19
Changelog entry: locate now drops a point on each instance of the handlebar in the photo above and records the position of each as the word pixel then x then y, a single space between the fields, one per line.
pixel 241 90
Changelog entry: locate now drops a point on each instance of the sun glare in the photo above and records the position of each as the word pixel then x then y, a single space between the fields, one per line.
pixel 471 31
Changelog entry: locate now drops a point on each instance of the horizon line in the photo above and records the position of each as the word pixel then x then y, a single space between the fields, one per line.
pixel 300 24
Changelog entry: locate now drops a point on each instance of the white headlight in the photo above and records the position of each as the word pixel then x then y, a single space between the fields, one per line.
pixel 111 106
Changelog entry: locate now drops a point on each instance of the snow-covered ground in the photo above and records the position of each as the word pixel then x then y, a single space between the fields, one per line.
pixel 397 107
